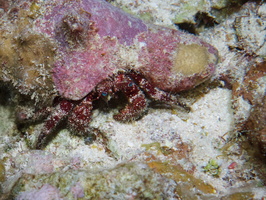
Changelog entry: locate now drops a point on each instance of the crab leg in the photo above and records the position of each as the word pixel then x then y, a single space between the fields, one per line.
pixel 60 113
pixel 81 114
pixel 153 92
pixel 137 103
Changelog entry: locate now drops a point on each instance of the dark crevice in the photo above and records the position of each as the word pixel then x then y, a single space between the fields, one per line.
pixel 202 20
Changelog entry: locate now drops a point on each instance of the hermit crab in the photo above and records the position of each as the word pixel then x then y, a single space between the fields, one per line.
pixel 80 51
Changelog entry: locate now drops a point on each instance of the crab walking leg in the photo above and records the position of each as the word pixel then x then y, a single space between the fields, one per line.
pixel 153 92
pixel 59 113
pixel 137 103
pixel 81 115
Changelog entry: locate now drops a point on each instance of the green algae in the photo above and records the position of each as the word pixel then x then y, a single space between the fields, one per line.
pixel 212 168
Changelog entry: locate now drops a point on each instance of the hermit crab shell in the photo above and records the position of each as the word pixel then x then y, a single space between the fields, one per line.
pixel 110 40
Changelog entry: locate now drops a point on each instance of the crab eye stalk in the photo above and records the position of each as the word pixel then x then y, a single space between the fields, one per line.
pixel 130 84
pixel 104 94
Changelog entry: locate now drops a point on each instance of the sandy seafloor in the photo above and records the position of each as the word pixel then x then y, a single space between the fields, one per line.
pixel 203 142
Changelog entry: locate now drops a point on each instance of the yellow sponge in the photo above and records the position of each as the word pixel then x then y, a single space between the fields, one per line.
pixel 190 59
